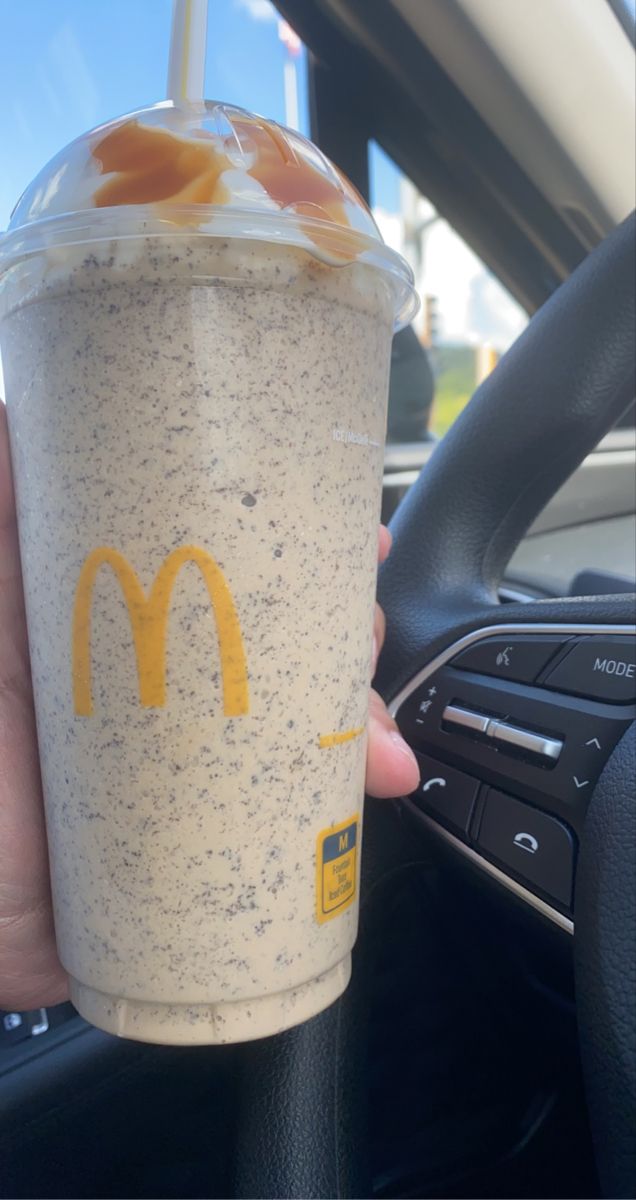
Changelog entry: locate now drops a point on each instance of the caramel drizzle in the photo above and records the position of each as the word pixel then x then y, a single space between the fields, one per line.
pixel 147 165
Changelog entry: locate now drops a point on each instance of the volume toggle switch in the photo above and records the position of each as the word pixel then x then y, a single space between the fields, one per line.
pixel 522 739
pixel 465 720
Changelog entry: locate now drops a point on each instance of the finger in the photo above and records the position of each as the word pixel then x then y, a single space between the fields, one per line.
pixel 379 623
pixel 13 638
pixel 30 974
pixel 384 543
pixel 392 768
pixel 379 631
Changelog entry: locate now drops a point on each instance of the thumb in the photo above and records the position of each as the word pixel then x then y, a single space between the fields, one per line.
pixel 392 768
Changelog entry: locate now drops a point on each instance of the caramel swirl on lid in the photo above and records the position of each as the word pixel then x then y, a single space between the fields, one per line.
pixel 147 165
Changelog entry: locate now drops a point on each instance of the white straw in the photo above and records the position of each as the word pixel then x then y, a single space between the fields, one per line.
pixel 186 65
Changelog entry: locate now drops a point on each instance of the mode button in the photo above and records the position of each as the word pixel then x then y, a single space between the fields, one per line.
pixel 600 668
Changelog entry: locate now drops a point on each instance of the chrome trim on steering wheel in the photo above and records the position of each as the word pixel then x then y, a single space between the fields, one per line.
pixel 500 876
pixel 469 639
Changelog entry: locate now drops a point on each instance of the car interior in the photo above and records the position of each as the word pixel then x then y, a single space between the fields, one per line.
pixel 486 1046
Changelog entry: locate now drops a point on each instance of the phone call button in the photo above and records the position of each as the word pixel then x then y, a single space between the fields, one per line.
pixel 446 794
pixel 535 846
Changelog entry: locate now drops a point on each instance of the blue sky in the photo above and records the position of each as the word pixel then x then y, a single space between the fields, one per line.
pixel 67 65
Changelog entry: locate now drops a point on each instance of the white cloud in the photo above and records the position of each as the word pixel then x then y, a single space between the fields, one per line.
pixel 258 10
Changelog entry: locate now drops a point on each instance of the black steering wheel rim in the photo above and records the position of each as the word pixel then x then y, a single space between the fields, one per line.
pixel 551 399
pixel 560 388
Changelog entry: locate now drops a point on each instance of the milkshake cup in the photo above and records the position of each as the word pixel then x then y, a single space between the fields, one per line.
pixel 196 312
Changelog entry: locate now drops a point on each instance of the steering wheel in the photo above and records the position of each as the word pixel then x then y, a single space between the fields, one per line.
pixel 561 387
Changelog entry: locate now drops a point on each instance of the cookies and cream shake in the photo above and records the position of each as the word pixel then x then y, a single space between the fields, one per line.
pixel 196 319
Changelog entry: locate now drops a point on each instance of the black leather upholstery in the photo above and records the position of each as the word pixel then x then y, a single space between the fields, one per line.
pixel 605 960
pixel 301 1114
pixel 552 397
pixel 93 1115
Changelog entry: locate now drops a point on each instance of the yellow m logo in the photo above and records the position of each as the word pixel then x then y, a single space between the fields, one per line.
pixel 149 620
pixel 343 842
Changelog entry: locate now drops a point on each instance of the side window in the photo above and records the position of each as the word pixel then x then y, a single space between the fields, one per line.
pixel 467 319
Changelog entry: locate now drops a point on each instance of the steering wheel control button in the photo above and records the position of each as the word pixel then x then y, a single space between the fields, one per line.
pixel 37 1020
pixel 446 793
pixel 547 748
pixel 536 847
pixel 464 720
pixel 599 668
pixel 456 719
pixel 421 715
pixel 521 659
pixel 13 1028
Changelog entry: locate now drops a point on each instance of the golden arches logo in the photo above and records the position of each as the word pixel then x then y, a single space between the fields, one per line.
pixel 149 620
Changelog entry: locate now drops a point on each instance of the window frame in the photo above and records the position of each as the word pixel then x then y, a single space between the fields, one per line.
pixel 388 87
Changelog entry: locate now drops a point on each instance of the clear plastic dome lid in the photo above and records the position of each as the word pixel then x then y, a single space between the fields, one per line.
pixel 209 168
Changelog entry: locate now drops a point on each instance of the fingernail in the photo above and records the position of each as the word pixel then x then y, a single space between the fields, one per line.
pixel 401 745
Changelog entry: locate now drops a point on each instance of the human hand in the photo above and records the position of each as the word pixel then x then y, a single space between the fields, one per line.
pixel 392 768
pixel 30 972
